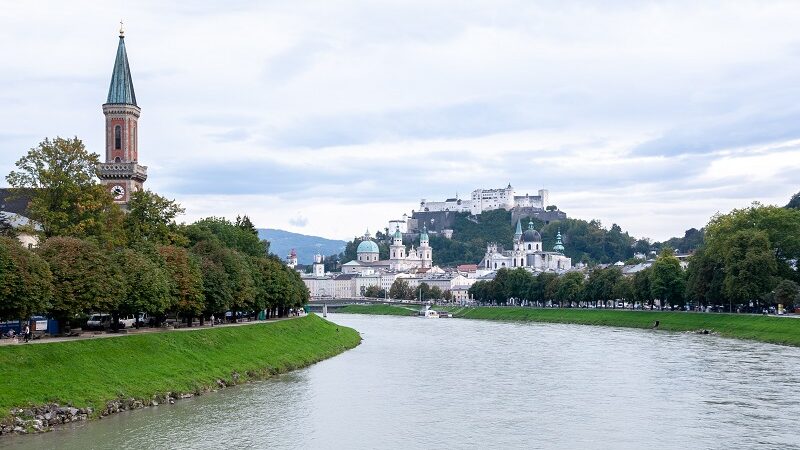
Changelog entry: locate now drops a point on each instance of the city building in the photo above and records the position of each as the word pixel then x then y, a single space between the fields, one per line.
pixel 400 258
pixel 527 252
pixel 291 259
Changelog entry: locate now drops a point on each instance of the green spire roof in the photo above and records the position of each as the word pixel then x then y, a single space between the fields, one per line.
pixel 559 247
pixel 424 234
pixel 121 89
pixel 530 224
pixel 519 228
pixel 397 233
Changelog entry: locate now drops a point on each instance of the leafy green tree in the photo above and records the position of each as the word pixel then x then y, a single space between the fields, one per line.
pixel 66 198
pixel 400 290
pixel 218 289
pixel 85 278
pixel 435 293
pixel 374 291
pixel 642 292
pixel 704 279
pixel 147 284
pixel 750 266
pixel 185 280
pixel 602 283
pixel 667 280
pixel 787 293
pixel 228 235
pixel 25 281
pixel 570 288
pixel 151 218
pixel 244 223
pixel 794 202
pixel 5 226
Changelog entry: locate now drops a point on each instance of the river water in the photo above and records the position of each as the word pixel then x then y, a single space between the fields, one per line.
pixel 452 383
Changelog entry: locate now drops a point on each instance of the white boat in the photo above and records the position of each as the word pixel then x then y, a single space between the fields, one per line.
pixel 429 313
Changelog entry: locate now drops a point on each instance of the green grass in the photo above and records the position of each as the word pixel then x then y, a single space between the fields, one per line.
pixel 94 371
pixel 775 330
pixel 382 310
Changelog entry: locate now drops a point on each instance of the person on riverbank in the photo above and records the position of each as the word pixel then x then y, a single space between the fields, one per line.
pixel 27 332
pixel 212 320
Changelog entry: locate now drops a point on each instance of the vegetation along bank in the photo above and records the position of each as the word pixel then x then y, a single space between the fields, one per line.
pixel 775 330
pixel 67 381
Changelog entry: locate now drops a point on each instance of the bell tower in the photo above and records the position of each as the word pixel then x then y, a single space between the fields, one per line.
pixel 121 171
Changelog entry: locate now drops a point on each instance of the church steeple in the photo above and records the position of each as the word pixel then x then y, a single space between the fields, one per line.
pixel 121 90
pixel 518 233
pixel 121 172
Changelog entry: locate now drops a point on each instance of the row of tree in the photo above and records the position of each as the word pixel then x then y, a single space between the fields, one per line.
pixel 747 261
pixel 95 257
pixel 663 281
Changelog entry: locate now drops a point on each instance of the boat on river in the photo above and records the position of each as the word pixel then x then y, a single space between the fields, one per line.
pixel 428 313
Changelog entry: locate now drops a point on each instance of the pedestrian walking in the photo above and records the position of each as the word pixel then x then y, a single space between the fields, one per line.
pixel 212 320
pixel 27 332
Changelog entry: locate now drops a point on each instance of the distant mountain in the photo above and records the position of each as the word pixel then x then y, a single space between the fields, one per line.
pixel 282 242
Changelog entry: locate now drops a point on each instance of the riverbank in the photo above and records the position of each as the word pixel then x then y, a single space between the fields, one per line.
pixel 92 378
pixel 774 330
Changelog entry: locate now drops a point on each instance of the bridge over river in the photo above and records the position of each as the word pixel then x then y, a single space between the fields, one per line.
pixel 317 303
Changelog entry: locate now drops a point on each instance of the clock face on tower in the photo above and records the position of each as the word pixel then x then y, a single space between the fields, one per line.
pixel 118 192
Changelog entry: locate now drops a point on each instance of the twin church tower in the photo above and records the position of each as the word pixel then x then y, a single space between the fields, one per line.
pixel 121 172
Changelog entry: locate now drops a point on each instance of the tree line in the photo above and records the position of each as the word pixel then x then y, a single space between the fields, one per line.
pixel 95 257
pixel 746 261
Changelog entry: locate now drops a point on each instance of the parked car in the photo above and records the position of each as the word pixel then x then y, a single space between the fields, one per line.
pixel 143 319
pixel 127 321
pixel 99 322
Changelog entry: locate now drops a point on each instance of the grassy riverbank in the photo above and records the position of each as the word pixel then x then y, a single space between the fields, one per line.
pixel 94 371
pixel 775 330
pixel 381 310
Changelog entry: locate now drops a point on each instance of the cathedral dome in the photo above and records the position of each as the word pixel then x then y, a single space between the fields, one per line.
pixel 531 236
pixel 367 247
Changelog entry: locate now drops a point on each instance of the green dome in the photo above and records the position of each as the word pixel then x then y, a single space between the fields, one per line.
pixel 398 234
pixel 367 247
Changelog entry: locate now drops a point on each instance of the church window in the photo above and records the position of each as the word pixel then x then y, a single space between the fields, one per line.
pixel 529 246
pixel 117 137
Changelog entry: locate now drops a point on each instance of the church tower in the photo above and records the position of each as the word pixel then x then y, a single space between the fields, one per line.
pixel 425 248
pixel 121 172
pixel 397 251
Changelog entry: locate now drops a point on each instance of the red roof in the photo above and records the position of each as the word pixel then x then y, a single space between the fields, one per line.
pixel 467 268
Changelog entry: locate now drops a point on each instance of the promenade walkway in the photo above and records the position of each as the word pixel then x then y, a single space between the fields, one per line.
pixel 130 332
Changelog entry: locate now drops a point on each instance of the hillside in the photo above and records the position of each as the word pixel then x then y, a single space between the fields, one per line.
pixel 282 242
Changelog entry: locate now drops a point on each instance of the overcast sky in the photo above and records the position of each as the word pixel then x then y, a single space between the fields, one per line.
pixel 329 117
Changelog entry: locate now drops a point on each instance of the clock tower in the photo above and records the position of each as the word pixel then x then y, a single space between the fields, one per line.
pixel 121 171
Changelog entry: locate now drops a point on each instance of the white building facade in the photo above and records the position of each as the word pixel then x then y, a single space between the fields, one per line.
pixel 490 199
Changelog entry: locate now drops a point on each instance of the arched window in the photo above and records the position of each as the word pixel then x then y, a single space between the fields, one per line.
pixel 529 246
pixel 118 137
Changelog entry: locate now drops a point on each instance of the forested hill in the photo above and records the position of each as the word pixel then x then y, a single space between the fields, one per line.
pixel 584 241
pixel 282 242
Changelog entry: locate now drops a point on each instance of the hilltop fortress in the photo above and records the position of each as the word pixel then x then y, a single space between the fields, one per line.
pixel 489 199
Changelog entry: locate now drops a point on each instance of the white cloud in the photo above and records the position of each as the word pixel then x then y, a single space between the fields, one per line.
pixel 344 114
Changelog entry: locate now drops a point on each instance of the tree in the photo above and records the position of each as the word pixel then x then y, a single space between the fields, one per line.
pixel 185 280
pixel 400 290
pixel 6 229
pixel 151 218
pixel 667 280
pixel 641 286
pixel 374 291
pixel 147 284
pixel 435 293
pixel 66 198
pixel 570 288
pixel 245 224
pixel 787 293
pixel 750 266
pixel 228 234
pixel 25 281
pixel 794 202
pixel 85 278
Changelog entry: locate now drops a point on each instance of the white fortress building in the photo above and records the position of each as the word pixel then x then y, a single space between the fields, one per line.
pixel 527 252
pixel 488 200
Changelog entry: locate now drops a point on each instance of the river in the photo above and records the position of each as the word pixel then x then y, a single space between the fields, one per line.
pixel 453 383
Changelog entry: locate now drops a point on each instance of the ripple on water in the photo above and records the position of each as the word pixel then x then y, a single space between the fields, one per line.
pixel 416 383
